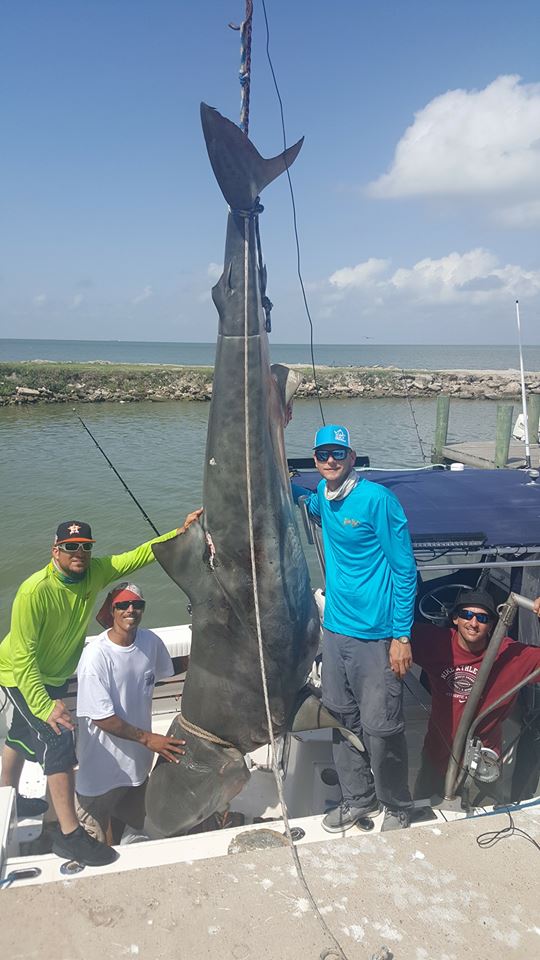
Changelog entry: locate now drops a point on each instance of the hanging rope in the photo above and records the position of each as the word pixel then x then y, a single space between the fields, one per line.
pixel 245 64
pixel 335 952
pixel 295 222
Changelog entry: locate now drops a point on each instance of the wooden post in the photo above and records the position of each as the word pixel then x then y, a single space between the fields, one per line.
pixel 441 428
pixel 504 432
pixel 533 416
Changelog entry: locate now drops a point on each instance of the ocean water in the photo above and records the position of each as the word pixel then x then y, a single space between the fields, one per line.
pixel 51 471
pixel 407 356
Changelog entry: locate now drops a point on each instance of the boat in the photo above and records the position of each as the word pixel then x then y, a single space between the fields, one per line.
pixel 468 528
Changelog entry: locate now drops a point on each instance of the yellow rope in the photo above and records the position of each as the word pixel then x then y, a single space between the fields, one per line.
pixel 203 734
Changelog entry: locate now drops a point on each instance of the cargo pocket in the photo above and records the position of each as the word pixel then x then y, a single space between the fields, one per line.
pixel 394 701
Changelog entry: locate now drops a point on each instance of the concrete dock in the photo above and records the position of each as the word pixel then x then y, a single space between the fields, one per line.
pixel 429 893
pixel 481 453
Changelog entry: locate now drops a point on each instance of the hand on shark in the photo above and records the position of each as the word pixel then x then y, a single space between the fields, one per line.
pixel 167 747
pixel 191 518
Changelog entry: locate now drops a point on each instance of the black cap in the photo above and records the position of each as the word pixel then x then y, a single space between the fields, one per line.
pixel 476 598
pixel 73 531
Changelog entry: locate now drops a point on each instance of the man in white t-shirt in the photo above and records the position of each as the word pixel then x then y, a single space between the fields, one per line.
pixel 116 677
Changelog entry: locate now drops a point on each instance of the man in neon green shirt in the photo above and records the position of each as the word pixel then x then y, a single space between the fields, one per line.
pixel 49 621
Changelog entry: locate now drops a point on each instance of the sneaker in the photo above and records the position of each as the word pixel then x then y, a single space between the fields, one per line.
pixel 396 819
pixel 30 807
pixel 83 848
pixel 346 815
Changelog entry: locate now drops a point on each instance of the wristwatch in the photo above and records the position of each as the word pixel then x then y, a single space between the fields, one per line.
pixel 402 640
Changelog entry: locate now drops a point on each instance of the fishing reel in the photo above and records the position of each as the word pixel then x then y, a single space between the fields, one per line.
pixel 483 763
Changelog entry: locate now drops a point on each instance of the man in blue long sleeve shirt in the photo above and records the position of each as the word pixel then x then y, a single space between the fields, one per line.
pixel 370 591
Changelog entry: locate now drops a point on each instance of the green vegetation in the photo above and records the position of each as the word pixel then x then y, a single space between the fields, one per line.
pixel 42 382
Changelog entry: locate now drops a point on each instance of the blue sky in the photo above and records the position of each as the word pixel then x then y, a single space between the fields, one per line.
pixel 418 186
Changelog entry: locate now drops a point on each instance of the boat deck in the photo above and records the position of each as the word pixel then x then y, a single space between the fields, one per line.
pixel 427 894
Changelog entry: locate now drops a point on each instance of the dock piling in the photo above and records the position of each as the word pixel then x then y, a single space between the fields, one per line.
pixel 504 432
pixel 441 428
pixel 533 416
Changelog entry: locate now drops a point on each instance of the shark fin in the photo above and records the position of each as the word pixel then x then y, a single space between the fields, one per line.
pixel 311 714
pixel 287 380
pixel 239 169
pixel 204 781
pixel 183 557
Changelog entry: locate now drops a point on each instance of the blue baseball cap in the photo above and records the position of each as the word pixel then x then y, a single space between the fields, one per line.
pixel 334 434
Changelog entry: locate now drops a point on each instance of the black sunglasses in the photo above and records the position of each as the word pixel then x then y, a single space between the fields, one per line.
pixel 75 546
pixel 340 453
pixel 126 604
pixel 471 614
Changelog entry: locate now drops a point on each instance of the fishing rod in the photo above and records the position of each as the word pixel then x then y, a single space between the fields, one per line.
pixel 523 395
pixel 122 481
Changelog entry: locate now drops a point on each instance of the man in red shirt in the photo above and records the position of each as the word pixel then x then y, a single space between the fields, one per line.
pixel 451 659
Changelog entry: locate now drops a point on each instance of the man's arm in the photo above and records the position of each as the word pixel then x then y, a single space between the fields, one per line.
pixel 393 534
pixel 312 502
pixel 169 748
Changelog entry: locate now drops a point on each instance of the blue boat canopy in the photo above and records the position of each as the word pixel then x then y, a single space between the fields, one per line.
pixel 475 509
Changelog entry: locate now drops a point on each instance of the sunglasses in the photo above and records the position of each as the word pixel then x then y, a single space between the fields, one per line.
pixel 126 604
pixel 470 615
pixel 74 547
pixel 340 453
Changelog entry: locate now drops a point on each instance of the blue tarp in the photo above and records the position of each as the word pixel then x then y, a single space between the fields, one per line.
pixel 501 504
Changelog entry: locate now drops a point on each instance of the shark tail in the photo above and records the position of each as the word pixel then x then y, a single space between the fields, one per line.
pixel 240 171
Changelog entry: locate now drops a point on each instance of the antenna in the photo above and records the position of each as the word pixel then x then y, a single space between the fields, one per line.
pixel 523 395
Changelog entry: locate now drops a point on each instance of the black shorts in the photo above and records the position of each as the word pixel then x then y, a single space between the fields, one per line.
pixel 36 740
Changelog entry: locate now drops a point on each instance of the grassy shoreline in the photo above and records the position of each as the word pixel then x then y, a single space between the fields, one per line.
pixel 97 381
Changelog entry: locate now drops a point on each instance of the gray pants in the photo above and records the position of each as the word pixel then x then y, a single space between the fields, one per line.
pixel 363 693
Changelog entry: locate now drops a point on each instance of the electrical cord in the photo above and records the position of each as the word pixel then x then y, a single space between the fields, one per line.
pixel 491 837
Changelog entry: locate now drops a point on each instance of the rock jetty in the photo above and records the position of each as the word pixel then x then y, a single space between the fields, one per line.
pixel 44 382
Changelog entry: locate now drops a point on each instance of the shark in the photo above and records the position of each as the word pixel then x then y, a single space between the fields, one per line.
pixel 242 566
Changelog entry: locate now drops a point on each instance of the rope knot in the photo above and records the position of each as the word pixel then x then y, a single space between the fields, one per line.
pixel 250 214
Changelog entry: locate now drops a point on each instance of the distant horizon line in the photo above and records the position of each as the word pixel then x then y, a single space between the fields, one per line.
pixel 284 343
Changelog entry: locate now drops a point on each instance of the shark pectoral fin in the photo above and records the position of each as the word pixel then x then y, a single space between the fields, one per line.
pixel 287 381
pixel 313 715
pixel 183 556
pixel 181 795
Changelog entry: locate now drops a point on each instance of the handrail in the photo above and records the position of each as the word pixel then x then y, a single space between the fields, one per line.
pixel 312 534
pixel 507 612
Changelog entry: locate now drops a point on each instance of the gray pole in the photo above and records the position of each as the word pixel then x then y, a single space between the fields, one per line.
pixel 441 428
pixel 504 432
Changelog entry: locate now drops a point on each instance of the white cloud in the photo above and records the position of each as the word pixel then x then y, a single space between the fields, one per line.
pixel 145 295
pixel 473 277
pixel 362 275
pixel 214 270
pixel 77 300
pixel 40 299
pixel 468 142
